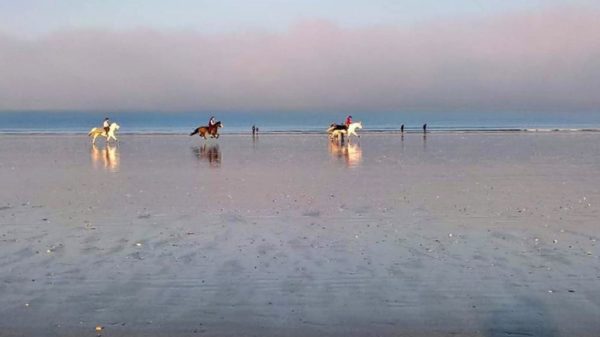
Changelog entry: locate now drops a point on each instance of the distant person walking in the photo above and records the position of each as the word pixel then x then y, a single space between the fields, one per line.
pixel 425 128
pixel 253 130
pixel 402 128
pixel 106 125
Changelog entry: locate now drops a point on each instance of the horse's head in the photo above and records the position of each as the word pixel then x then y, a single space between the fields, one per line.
pixel 219 124
pixel 115 126
pixel 358 125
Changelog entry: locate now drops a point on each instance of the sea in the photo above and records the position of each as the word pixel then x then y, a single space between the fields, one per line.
pixel 76 122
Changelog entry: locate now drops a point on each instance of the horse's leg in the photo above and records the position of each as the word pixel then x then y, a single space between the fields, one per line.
pixel 351 132
pixel 339 137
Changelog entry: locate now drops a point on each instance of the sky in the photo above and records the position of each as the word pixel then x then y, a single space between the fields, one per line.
pixel 283 55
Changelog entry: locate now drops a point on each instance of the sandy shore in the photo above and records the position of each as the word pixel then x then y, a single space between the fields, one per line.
pixel 449 235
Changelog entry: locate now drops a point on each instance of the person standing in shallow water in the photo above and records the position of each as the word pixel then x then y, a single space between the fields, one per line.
pixel 106 125
pixel 402 128
pixel 425 128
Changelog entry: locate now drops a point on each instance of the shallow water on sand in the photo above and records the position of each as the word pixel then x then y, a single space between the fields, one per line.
pixel 449 234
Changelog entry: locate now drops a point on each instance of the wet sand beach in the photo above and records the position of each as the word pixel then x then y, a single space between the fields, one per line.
pixel 287 235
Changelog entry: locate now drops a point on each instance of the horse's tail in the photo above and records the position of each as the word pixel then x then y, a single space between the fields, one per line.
pixel 195 132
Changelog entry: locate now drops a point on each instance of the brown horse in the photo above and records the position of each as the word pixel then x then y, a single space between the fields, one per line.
pixel 203 131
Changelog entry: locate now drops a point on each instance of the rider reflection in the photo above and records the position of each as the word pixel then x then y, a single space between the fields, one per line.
pixel 106 157
pixel 350 153
pixel 209 153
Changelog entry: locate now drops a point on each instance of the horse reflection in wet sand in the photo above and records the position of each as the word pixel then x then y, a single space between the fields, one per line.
pixel 108 157
pixel 209 153
pixel 351 153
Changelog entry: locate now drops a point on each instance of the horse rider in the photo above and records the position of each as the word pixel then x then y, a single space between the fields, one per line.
pixel 106 125
pixel 211 124
pixel 348 121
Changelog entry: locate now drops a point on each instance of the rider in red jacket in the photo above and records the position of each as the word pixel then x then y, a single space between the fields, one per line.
pixel 348 121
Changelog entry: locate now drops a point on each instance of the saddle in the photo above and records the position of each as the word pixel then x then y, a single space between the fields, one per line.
pixel 211 129
pixel 334 127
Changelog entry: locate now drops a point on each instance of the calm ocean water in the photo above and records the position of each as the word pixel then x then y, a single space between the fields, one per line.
pixel 131 122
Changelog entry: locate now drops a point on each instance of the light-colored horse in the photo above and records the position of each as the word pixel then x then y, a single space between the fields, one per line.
pixel 96 132
pixel 352 129
pixel 337 134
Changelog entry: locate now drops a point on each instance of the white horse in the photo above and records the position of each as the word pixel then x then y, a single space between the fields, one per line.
pixel 352 129
pixel 337 133
pixel 96 132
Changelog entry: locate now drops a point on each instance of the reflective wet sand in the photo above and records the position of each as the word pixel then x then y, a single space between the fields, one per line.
pixel 462 235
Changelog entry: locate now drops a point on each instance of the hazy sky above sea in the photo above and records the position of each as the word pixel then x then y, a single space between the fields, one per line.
pixel 276 55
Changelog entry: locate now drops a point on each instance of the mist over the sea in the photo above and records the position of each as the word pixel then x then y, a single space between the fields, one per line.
pixel 542 61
